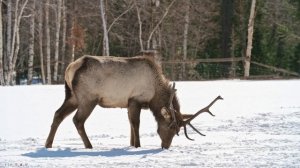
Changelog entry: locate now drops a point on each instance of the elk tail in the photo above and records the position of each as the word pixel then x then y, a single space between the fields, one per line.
pixel 68 91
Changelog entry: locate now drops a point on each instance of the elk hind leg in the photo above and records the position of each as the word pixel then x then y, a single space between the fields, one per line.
pixel 134 111
pixel 67 108
pixel 79 119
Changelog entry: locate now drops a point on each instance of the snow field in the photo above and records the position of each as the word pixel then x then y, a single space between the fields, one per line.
pixel 256 125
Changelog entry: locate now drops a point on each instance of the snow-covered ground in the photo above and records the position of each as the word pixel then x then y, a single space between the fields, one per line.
pixel 256 125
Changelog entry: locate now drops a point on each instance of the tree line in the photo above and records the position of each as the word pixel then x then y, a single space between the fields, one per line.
pixel 39 38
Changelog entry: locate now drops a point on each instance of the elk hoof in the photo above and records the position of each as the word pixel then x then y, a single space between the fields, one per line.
pixel 48 145
pixel 137 146
pixel 164 148
pixel 89 146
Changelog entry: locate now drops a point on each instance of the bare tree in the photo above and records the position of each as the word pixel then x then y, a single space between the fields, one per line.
pixel 58 20
pixel 249 40
pixel 15 46
pixel 159 22
pixel 64 36
pixel 185 35
pixel 117 18
pixel 31 44
pixel 1 48
pixel 41 37
pixel 48 60
pixel 138 11
pixel 74 29
pixel 8 41
pixel 104 26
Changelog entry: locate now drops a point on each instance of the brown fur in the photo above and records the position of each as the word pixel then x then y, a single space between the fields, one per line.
pixel 132 83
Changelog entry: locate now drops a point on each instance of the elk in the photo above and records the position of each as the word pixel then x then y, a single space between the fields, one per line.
pixel 133 83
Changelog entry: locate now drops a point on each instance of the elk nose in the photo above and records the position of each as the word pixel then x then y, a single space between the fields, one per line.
pixel 165 146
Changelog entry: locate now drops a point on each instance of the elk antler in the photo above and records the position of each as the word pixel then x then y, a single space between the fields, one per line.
pixel 188 121
pixel 174 122
pixel 172 94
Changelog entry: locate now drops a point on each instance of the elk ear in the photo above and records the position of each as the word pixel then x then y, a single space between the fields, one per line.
pixel 165 113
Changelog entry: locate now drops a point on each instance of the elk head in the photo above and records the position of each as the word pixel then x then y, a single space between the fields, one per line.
pixel 174 120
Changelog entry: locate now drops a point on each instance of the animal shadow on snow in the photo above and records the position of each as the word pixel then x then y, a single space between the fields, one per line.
pixel 68 152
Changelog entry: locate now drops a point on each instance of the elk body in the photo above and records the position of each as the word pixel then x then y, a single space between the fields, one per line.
pixel 133 83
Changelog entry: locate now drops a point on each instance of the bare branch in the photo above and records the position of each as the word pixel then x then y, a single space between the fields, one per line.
pixel 140 26
pixel 160 21
pixel 16 35
pixel 116 19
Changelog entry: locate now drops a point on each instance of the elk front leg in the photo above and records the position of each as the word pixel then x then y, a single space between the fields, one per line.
pixel 134 111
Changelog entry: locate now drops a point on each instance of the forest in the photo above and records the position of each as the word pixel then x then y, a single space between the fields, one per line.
pixel 194 39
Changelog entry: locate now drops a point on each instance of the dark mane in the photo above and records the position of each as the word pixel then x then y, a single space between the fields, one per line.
pixel 161 99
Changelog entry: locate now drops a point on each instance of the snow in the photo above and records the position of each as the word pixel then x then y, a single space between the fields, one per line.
pixel 256 125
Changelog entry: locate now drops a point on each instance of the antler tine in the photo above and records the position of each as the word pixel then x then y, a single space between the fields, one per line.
pixel 206 109
pixel 172 94
pixel 195 129
pixel 185 133
pixel 174 122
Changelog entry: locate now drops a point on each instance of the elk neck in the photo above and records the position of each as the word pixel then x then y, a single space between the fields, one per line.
pixel 161 99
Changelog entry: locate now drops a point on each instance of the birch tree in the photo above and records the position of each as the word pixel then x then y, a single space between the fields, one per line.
pixel 15 45
pixel 138 11
pixel 249 39
pixel 31 44
pixel 58 20
pixel 41 38
pixel 1 48
pixel 47 26
pixel 104 26
pixel 8 41
pixel 73 29
pixel 156 27
pixel 64 37
pixel 185 35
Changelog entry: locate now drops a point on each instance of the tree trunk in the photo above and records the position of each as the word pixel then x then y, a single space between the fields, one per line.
pixel 155 39
pixel 15 46
pixel 173 53
pixel 41 37
pixel 8 42
pixel 64 37
pixel 232 71
pixel 226 26
pixel 73 29
pixel 104 26
pixel 1 48
pixel 73 39
pixel 12 49
pixel 249 40
pixel 48 60
pixel 243 27
pixel 58 20
pixel 31 44
pixel 185 36
pixel 227 10
pixel 140 25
